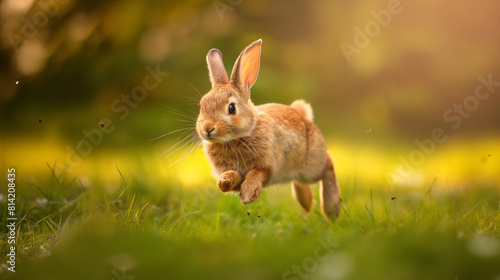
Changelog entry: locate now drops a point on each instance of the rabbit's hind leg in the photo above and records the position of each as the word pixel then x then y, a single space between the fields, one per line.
pixel 303 195
pixel 329 192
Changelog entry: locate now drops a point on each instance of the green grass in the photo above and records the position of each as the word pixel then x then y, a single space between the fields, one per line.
pixel 74 228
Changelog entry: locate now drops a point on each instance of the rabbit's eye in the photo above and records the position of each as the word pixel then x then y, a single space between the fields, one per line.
pixel 232 109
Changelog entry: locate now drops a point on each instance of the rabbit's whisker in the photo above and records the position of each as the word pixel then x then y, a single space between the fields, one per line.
pixel 186 154
pixel 175 131
pixel 242 157
pixel 171 150
pixel 178 113
pixel 248 148
pixel 185 133
pixel 253 147
pixel 234 153
pixel 199 93
pixel 189 122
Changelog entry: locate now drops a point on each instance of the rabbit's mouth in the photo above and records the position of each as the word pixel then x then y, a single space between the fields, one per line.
pixel 209 138
pixel 212 138
pixel 216 139
pixel 209 134
pixel 215 132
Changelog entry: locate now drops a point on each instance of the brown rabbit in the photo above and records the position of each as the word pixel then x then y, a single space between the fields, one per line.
pixel 250 147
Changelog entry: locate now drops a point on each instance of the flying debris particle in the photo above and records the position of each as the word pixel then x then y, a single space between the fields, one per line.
pixel 248 213
pixel 39 121
pixel 101 124
pixel 369 130
pixel 340 199
pixel 17 82
pixel 258 216
pixel 392 198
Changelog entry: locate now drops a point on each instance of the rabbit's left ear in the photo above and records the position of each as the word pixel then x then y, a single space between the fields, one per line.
pixel 246 67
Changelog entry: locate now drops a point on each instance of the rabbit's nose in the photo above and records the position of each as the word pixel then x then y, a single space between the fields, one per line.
pixel 208 130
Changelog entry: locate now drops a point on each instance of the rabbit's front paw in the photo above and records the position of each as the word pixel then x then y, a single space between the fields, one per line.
pixel 249 193
pixel 225 184
pixel 228 180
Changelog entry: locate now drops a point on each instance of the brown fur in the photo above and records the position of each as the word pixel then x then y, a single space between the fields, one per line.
pixel 262 145
pixel 304 109
pixel 303 195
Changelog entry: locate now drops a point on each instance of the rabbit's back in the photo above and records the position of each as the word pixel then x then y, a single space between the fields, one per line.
pixel 299 149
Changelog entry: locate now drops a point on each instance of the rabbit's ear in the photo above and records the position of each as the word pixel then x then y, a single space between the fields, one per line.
pixel 216 70
pixel 246 67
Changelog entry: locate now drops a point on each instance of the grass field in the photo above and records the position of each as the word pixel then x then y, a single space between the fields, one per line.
pixel 129 217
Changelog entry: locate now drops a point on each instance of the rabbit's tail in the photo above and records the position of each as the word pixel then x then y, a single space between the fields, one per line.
pixel 303 108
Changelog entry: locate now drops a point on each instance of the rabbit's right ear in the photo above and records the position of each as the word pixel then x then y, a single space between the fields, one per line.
pixel 246 67
pixel 216 70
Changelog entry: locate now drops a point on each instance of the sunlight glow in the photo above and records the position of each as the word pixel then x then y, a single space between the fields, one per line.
pixel 455 165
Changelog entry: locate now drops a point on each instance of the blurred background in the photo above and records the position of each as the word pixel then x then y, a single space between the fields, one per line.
pixel 407 94
pixel 379 74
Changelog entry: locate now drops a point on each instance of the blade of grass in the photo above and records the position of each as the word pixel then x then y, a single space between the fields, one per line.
pixel 41 220
pixel 130 208
pixel 55 176
pixel 45 195
pixel 66 223
pixel 345 211
pixel 104 196
pixel 88 218
pixel 52 228
pixel 124 183
pixel 472 209
pixel 371 215
pixel 121 175
pixel 371 202
pixel 428 192
pixel 181 218
pixel 139 213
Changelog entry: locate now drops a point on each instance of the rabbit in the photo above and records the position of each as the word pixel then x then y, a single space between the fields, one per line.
pixel 250 147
